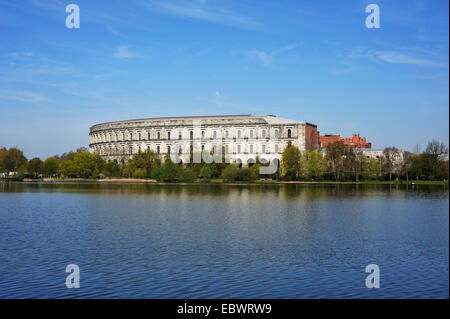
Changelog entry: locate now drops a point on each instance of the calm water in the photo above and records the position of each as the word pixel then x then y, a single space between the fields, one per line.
pixel 217 241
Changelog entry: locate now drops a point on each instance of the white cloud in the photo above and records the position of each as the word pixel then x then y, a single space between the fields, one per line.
pixel 22 96
pixel 266 58
pixel 204 11
pixel 124 53
pixel 394 57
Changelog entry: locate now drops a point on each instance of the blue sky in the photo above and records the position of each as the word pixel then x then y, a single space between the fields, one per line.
pixel 311 60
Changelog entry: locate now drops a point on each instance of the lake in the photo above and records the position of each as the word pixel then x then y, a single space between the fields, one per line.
pixel 223 241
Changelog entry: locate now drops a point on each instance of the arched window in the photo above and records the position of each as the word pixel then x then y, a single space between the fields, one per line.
pixel 131 136
pixel 139 149
pixel 215 134
pixel 148 148
pixel 168 149
pixel 179 136
pixel 203 148
pixel 276 148
pixel 168 135
pixel 180 150
pixel 251 133
pixel 251 149
pixel 148 136
pixel 289 133
pixel 239 133
pixel 158 135
pixel 239 149
pixel 263 133
pixel 263 149
pixel 276 133
pixel 203 134
pixel 227 134
pixel 139 136
pixel 191 135
pixel 227 149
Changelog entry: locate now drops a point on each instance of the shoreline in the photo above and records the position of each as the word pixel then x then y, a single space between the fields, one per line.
pixel 219 181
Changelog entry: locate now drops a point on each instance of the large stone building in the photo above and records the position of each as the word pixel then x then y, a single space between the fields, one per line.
pixel 240 138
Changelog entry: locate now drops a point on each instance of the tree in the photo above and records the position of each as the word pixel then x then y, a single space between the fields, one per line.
pixel 68 168
pixel 245 174
pixel 435 149
pixel 230 173
pixel 188 175
pixel 313 164
pixel 206 171
pixel 88 164
pixel 335 158
pixel 12 160
pixel 168 171
pixel 50 166
pixel 391 161
pixel 146 160
pixel 372 170
pixel 34 166
pixel 140 173
pixel 290 162
pixel 111 169
pixel 406 164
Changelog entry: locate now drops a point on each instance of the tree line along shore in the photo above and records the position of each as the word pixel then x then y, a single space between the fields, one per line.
pixel 338 164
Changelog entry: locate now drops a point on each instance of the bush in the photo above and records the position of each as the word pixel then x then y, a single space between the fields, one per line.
pixel 111 169
pixel 245 174
pixel 140 173
pixel 206 172
pixel 187 175
pixel 168 171
pixel 229 173
pixel 156 173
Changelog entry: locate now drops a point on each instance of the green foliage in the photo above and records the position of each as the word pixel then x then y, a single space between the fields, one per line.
pixel 50 166
pixel 334 157
pixel 168 172
pixel 290 162
pixel 373 169
pixel 313 164
pixel 230 173
pixel 34 166
pixel 187 175
pixel 111 169
pixel 233 173
pixel 140 173
pixel 83 164
pixel 206 172
pixel 245 174
pixel 12 160
pixel 146 160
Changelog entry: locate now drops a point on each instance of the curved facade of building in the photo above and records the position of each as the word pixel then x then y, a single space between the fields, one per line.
pixel 239 138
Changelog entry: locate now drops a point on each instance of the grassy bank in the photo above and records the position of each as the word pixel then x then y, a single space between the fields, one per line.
pixel 221 181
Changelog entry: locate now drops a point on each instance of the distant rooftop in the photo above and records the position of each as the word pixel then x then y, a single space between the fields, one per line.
pixel 271 118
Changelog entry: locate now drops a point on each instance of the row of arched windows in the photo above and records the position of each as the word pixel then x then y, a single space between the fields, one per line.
pixel 251 135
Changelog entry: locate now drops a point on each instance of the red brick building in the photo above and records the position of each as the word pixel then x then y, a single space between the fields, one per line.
pixel 354 142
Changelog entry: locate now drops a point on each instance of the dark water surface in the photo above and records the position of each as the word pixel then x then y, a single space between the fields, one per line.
pixel 219 241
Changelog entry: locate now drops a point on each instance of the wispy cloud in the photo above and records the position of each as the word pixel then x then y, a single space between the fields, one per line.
pixel 22 96
pixel 266 58
pixel 124 53
pixel 395 57
pixel 205 11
